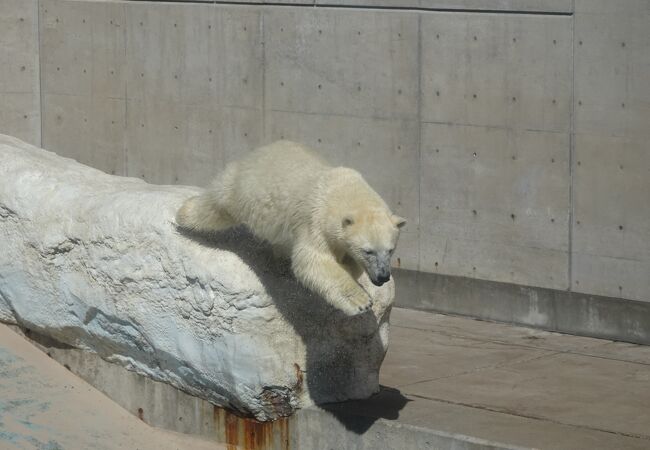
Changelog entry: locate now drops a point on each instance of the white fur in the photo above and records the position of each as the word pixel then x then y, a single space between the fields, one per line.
pixel 322 217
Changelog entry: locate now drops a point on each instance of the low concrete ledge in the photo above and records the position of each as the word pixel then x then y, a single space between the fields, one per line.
pixel 96 262
pixel 336 426
pixel 569 312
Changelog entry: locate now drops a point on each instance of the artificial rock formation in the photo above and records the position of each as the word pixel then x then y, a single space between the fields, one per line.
pixel 96 261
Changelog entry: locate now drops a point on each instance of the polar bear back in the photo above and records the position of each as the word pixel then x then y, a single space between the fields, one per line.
pixel 274 189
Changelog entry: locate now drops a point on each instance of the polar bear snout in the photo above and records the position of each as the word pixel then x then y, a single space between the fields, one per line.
pixel 381 279
pixel 379 270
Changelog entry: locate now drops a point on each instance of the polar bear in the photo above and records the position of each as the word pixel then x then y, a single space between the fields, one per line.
pixel 327 220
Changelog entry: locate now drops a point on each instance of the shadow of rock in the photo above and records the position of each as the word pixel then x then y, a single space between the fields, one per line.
pixel 335 371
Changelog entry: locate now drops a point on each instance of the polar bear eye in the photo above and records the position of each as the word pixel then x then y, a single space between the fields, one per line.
pixel 368 252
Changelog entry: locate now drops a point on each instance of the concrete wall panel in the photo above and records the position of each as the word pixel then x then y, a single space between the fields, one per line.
pixel 358 63
pixel 85 128
pixel 496 109
pixel 195 89
pixel 171 92
pixel 497 70
pixel 611 226
pixel 384 151
pixel 172 143
pixel 19 70
pixel 556 6
pixel 83 80
pixel 195 54
pixel 495 204
pixel 613 73
pixel 82 48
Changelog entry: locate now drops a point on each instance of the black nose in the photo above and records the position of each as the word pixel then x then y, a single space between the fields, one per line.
pixel 383 278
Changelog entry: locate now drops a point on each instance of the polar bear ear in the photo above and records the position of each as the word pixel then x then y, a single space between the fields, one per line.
pixel 399 221
pixel 347 221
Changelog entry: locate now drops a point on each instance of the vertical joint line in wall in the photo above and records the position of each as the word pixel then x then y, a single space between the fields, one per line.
pixel 572 147
pixel 419 139
pixel 40 73
pixel 263 39
pixel 125 156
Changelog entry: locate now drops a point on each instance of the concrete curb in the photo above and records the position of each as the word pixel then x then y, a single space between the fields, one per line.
pixel 330 426
pixel 548 309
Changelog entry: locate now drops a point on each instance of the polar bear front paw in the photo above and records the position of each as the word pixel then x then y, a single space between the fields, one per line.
pixel 357 304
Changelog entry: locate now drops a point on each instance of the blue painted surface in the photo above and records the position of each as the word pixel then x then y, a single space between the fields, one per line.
pixel 19 388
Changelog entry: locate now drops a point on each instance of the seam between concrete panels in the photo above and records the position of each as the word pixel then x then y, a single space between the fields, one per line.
pixel 494 127
pixel 313 4
pixel 419 142
pixel 40 72
pixel 262 32
pixel 498 410
pixel 346 115
pixel 572 140
pixel 125 156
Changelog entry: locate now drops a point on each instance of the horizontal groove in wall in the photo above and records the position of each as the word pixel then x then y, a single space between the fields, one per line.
pixel 370 7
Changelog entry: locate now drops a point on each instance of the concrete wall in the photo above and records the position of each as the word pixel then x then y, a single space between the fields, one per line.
pixel 514 139
pixel 20 103
pixel 611 167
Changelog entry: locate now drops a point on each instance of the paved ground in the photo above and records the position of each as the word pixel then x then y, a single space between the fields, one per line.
pixel 517 385
pixel 43 406
pixel 511 386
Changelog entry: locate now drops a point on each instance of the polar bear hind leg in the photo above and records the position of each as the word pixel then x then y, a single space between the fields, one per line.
pixel 202 213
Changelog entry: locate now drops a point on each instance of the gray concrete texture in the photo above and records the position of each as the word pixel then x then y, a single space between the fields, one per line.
pixel 466 385
pixel 611 167
pixel 510 165
pixel 527 6
pixel 44 406
pixel 20 103
pixel 548 309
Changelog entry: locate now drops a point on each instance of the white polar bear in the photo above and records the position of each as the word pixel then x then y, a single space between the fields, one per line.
pixel 328 220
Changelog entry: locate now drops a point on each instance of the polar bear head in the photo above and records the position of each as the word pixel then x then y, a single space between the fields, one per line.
pixel 370 237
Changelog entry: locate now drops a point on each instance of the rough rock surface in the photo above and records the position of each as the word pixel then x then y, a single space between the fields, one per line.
pixel 96 261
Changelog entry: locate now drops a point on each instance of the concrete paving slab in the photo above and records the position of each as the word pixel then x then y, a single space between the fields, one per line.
pixel 444 350
pixel 45 406
pixel 484 331
pixel 502 429
pixel 449 383
pixel 563 392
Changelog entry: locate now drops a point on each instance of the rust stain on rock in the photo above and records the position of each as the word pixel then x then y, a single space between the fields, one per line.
pixel 243 433
pixel 299 378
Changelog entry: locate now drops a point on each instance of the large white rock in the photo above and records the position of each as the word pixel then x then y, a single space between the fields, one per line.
pixel 96 261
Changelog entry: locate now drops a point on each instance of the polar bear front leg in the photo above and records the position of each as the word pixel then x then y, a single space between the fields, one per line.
pixel 321 273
